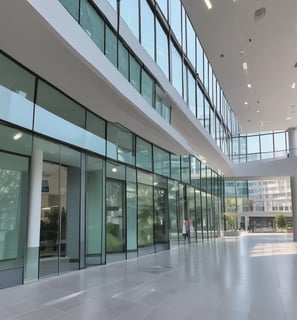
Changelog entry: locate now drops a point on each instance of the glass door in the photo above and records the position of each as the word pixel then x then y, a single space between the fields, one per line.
pixel 115 220
pixel 60 209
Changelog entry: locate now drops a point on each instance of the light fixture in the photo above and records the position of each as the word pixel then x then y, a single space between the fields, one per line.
pixel 293 85
pixel 208 4
pixel 245 102
pixel 288 118
pixel 114 169
pixel 258 111
pixel 249 85
pixel 17 136
pixel 244 66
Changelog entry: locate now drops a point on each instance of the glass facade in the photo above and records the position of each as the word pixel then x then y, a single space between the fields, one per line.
pixel 174 45
pixel 264 145
pixel 103 193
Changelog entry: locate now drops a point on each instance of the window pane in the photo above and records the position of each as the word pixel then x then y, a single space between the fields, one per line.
pixel 195 171
pixel 161 162
pixel 143 154
pixel 175 167
pixel 14 177
pixel 95 137
pixel 123 61
pixel 162 49
pixel 253 144
pixel 185 82
pixel 212 122
pixel 186 168
pixel 266 143
pixel 147 87
pixel 184 36
pixel 111 46
pixel 147 28
pixel 206 116
pixel 120 144
pixel 95 179
pixel 130 15
pixel 163 6
pixel 59 104
pixel 131 210
pixel 205 77
pixel 279 141
pixel 191 49
pixel 210 81
pixel 134 73
pixel 175 17
pixel 191 93
pixel 16 93
pixel 200 105
pixel 199 59
pixel 162 105
pixel 92 23
pixel 72 7
pixel 145 215
pixel 166 112
pixel 176 66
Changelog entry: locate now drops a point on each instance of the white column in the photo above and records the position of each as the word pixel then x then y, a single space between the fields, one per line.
pixel 292 133
pixel 32 256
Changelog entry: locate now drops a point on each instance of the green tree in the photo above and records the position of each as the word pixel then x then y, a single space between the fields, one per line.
pixel 230 220
pixel 280 221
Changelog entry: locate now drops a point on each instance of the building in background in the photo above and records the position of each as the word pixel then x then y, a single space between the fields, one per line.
pixel 257 202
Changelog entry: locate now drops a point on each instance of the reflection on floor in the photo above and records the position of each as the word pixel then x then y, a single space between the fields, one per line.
pixel 251 277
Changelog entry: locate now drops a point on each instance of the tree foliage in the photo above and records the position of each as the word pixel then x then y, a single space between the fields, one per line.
pixel 280 221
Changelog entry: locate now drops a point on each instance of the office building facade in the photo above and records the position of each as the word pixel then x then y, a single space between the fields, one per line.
pixel 103 126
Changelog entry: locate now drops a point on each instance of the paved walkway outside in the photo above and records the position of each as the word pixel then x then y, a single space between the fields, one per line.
pixel 234 278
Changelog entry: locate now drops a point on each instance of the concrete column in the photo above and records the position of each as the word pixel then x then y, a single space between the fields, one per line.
pixel 292 133
pixel 32 254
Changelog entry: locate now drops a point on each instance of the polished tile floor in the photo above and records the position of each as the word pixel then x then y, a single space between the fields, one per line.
pixel 251 277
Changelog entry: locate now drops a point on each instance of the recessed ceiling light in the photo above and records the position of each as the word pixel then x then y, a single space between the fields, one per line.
pixel 258 111
pixel 244 66
pixel 293 85
pixel 114 169
pixel 288 118
pixel 249 85
pixel 245 102
pixel 208 4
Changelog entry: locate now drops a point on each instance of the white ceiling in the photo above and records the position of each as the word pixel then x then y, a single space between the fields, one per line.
pixel 270 50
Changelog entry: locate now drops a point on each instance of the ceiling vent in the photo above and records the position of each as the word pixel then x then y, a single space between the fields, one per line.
pixel 259 14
